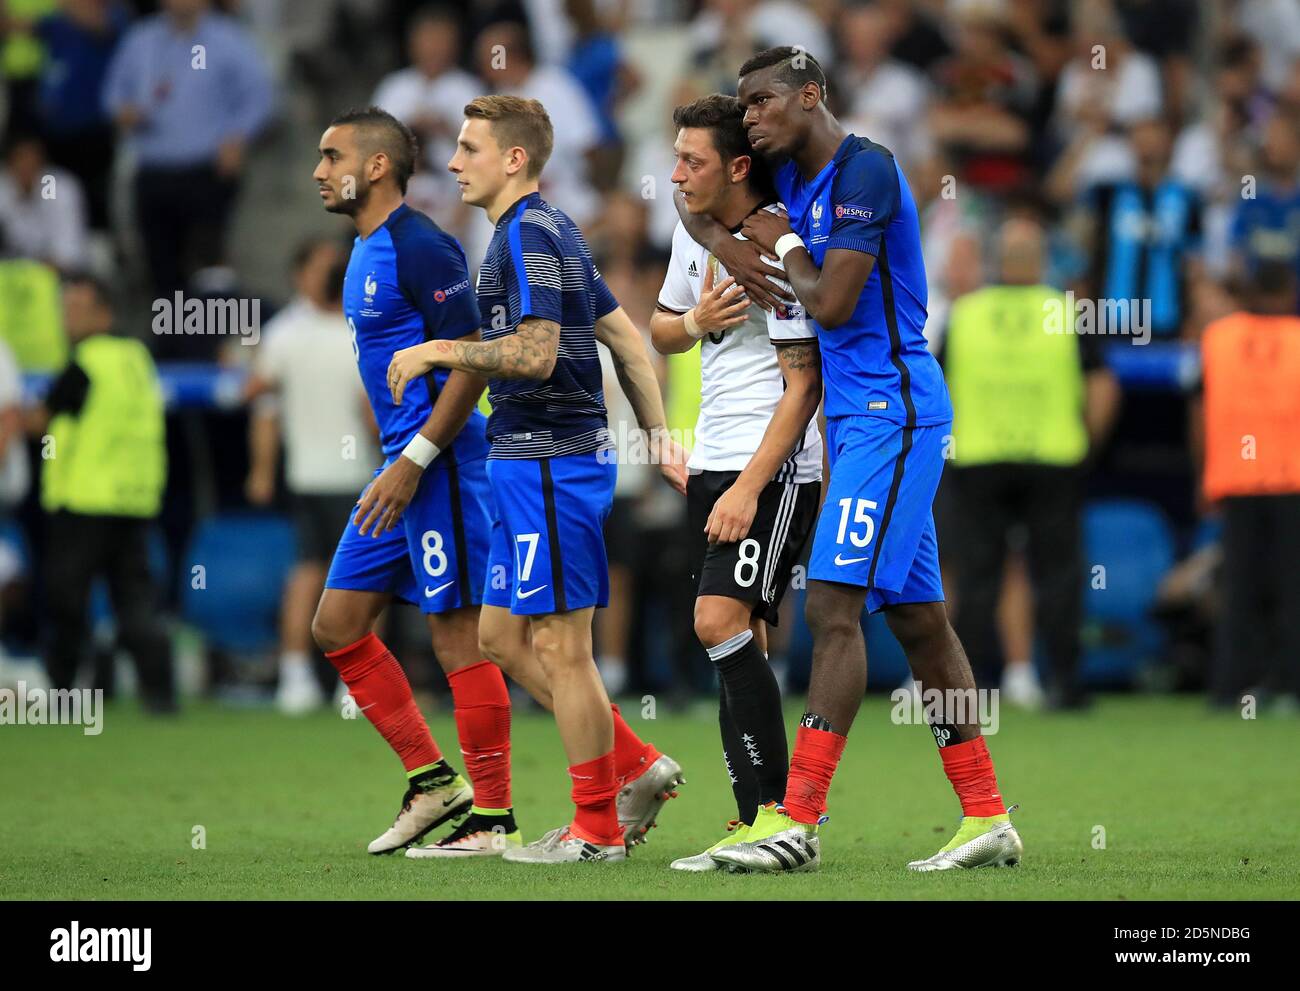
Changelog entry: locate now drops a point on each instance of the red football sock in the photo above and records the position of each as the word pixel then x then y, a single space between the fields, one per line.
pixel 816 755
pixel 483 720
pixel 970 769
pixel 378 685
pixel 632 756
pixel 594 787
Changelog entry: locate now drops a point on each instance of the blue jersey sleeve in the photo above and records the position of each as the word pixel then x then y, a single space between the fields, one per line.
pixel 433 276
pixel 537 258
pixel 864 199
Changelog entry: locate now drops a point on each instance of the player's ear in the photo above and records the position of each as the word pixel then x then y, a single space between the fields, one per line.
pixel 740 166
pixel 516 160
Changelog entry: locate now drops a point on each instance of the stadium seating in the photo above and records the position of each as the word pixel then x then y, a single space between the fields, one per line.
pixel 246 558
pixel 1133 542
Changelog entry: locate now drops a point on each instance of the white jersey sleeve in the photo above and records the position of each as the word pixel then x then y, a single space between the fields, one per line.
pixel 680 290
pixel 789 322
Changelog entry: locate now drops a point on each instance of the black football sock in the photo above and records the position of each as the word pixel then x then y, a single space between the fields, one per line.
pixel 744 782
pixel 753 700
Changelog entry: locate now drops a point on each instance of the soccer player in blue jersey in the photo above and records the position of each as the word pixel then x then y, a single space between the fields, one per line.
pixel 851 249
pixel 544 308
pixel 420 532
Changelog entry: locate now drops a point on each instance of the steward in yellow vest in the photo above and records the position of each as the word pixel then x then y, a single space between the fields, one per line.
pixel 1027 396
pixel 104 467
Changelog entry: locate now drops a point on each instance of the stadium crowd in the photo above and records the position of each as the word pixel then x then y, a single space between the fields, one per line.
pixel 1145 152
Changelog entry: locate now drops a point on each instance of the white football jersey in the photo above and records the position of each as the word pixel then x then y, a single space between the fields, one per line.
pixel 742 381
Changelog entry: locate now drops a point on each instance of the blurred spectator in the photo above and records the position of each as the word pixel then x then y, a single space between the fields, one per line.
pixel 883 99
pixel 727 32
pixel 429 95
pixel 1029 401
pixel 306 359
pixel 596 62
pixel 1266 226
pixel 1144 235
pixel 505 60
pixel 986 95
pixel 1166 30
pixel 1251 367
pixel 31 318
pixel 21 56
pixel 1274 25
pixel 918 38
pixel 1105 89
pixel 15 476
pixel 101 486
pixel 42 207
pixel 80 40
pixel 189 89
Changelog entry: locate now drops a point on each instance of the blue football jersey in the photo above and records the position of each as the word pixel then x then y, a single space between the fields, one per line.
pixel 876 363
pixel 539 265
pixel 408 283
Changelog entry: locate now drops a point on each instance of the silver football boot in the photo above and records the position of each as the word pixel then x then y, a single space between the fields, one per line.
pixel 560 846
pixel 774 844
pixel 639 801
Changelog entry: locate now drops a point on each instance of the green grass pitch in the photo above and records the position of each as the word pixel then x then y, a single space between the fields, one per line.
pixel 1192 805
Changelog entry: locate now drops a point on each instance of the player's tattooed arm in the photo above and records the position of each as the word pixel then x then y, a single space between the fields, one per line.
pixel 742 259
pixel 529 353
pixel 640 384
pixel 801 366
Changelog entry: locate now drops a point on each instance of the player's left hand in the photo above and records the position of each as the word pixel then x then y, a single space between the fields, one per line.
pixel 407 364
pixel 671 458
pixel 764 228
pixel 387 497
pixel 732 515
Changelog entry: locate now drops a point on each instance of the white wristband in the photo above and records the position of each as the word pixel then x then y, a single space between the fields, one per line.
pixel 787 243
pixel 693 329
pixel 421 450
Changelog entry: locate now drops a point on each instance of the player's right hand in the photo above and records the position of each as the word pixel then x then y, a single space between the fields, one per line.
pixel 721 307
pixel 743 260
pixel 385 499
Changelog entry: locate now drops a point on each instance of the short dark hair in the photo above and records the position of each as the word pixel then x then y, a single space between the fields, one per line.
pixel 98 286
pixel 436 12
pixel 307 247
pixel 724 118
pixel 517 123
pixel 798 67
pixel 381 131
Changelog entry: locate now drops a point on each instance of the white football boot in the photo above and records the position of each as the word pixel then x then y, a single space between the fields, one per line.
pixel 475 837
pixel 424 810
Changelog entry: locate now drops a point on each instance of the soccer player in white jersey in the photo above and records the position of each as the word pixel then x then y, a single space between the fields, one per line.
pixel 756 467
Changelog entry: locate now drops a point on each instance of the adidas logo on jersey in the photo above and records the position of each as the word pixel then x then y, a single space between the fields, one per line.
pixel 693 272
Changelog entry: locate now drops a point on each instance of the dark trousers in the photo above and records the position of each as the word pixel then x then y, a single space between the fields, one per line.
pixel 988 501
pixel 81 549
pixel 89 156
pixel 183 215
pixel 1257 639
